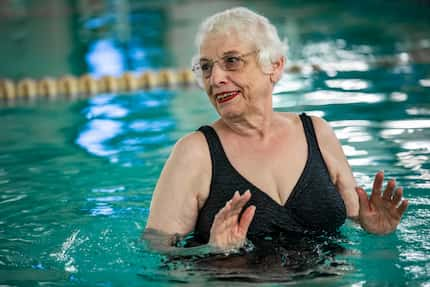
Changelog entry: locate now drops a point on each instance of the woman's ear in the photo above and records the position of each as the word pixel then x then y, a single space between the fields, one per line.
pixel 277 70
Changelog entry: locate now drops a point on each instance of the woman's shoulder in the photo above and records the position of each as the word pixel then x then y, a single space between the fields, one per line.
pixel 289 116
pixel 318 122
pixel 290 119
pixel 192 146
pixel 321 127
pixel 327 140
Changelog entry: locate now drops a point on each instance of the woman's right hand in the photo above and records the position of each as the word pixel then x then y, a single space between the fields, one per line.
pixel 227 230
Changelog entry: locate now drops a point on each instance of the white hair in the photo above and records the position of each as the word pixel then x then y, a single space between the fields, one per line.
pixel 249 26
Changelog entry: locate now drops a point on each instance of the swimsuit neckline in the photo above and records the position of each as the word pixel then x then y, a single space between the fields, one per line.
pixel 296 187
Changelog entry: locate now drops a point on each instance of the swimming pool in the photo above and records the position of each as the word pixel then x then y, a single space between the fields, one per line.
pixel 76 177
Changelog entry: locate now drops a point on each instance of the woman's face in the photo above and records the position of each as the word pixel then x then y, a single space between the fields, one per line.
pixel 234 93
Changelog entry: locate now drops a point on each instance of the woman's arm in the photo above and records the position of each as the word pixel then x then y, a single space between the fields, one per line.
pixel 338 166
pixel 183 183
pixel 181 191
pixel 381 212
pixel 228 232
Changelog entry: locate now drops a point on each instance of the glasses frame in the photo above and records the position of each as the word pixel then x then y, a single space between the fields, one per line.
pixel 196 68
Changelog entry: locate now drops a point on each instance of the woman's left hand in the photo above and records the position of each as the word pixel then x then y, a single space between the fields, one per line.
pixel 381 212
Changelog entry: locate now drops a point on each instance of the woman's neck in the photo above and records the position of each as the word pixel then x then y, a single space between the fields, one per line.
pixel 254 123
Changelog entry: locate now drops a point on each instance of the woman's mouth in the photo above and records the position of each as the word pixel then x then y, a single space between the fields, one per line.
pixel 225 97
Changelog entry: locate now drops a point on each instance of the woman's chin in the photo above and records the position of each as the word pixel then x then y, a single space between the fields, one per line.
pixel 231 109
pixel 230 114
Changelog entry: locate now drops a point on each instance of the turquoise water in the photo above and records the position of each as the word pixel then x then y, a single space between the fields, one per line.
pixel 76 177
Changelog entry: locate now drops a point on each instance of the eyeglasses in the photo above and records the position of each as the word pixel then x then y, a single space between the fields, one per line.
pixel 230 62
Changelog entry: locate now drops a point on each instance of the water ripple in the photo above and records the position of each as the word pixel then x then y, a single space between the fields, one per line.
pixel 109 189
pixel 97 132
pixel 333 57
pixel 415 111
pixel 353 134
pixel 109 111
pixel 326 97
pixel 151 125
pixel 107 198
pixel 12 199
pixel 348 84
pixel 425 82
pixel 407 124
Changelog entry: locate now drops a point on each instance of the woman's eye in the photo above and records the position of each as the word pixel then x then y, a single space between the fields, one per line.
pixel 231 59
pixel 205 66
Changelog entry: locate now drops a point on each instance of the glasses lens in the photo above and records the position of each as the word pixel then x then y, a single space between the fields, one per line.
pixel 206 68
pixel 232 63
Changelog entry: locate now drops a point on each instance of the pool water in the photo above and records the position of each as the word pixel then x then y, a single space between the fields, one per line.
pixel 76 177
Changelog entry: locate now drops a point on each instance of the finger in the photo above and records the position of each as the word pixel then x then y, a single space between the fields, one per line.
pixel 397 195
pixel 232 209
pixel 236 196
pixel 363 200
pixel 403 206
pixel 229 214
pixel 237 205
pixel 223 213
pixel 246 195
pixel 388 193
pixel 246 219
pixel 377 184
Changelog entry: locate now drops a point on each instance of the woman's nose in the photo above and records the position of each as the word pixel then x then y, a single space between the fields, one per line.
pixel 218 75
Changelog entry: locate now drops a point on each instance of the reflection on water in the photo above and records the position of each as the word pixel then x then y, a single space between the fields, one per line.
pixel 97 133
pixel 104 58
pixel 334 97
pixel 353 133
pixel 113 129
pixel 348 84
pixel 334 57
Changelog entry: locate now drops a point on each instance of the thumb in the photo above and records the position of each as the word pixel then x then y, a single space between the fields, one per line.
pixel 363 200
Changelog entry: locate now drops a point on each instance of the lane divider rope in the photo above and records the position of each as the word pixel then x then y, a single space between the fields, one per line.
pixel 86 85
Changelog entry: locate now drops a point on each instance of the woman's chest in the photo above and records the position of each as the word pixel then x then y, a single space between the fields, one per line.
pixel 275 170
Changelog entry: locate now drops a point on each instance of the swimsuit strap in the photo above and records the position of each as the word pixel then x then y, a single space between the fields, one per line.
pixel 309 132
pixel 312 140
pixel 219 160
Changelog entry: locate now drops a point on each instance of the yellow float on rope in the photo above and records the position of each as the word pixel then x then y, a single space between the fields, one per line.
pixel 87 85
pixel 185 77
pixel 148 80
pixel 47 87
pixel 26 89
pixel 108 84
pixel 7 90
pixel 167 78
pixel 68 86
pixel 128 82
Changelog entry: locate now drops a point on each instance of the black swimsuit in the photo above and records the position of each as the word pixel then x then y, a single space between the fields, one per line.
pixel 313 207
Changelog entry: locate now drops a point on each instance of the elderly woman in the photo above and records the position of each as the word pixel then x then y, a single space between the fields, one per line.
pixel 254 171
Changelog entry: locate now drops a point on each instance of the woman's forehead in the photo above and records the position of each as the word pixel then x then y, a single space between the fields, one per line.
pixel 216 45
